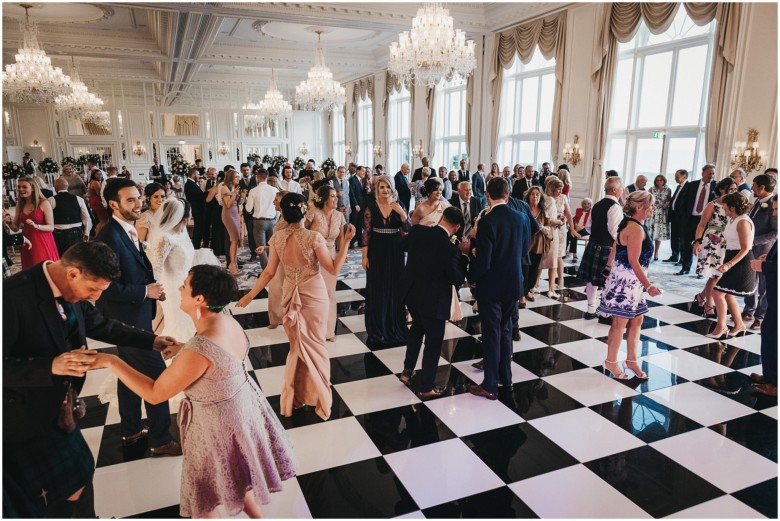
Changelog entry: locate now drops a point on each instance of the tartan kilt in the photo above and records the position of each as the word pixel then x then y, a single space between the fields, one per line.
pixel 56 462
pixel 64 239
pixel 593 262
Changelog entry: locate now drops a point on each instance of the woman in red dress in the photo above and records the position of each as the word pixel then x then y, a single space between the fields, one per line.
pixel 34 216
pixel 96 201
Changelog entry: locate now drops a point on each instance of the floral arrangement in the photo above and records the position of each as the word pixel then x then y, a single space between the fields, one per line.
pixel 81 162
pixel 85 158
pixel 278 162
pixel 12 170
pixel 328 165
pixel 49 166
pixel 298 163
pixel 68 160
pixel 179 166
pixel 267 159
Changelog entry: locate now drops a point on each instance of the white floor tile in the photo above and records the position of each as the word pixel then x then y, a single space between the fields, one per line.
pixel 263 336
pixel 724 463
pixel 93 436
pixel 290 503
pixel 750 343
pixel 528 318
pixel 393 358
pixel 256 306
pixel 452 331
pixel 578 493
pixel 590 352
pixel 676 336
pixel 441 472
pixel 347 344
pixel 526 343
pixel 356 283
pixel 541 300
pixel 519 373
pixel 93 381
pixel 592 328
pixel 271 380
pixel 97 344
pixel 771 412
pixel 467 414
pixel 375 394
pixel 723 507
pixel 582 305
pixel 331 444
pixel 671 315
pixel 594 437
pixel 355 323
pixel 348 295
pixel 117 490
pixel 466 309
pixel 590 387
pixel 758 369
pixel 686 364
pixel 668 299
pixel 699 404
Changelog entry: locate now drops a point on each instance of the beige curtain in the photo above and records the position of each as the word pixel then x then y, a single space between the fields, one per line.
pixel 187 125
pixel 549 34
pixel 430 102
pixel 469 104
pixel 620 23
pixel 362 88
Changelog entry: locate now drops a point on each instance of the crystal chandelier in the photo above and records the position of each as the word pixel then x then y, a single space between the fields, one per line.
pixel 79 104
pixel 274 105
pixel 32 79
pixel 319 91
pixel 99 118
pixel 432 50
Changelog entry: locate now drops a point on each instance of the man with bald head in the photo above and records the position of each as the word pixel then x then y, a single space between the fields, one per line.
pixel 418 173
pixel 71 218
pixel 637 186
pixel 402 185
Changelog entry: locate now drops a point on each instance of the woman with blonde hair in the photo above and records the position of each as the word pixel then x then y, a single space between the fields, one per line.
pixel 35 217
pixel 565 177
pixel 559 216
pixel 623 295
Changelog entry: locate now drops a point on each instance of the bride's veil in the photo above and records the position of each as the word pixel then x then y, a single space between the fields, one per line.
pixel 166 219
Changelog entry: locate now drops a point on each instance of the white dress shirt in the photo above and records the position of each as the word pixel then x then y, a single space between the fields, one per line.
pixel 85 220
pixel 290 186
pixel 260 201
pixel 702 186
pixel 614 217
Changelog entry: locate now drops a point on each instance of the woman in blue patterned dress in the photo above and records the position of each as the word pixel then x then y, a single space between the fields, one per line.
pixel 659 223
pixel 623 291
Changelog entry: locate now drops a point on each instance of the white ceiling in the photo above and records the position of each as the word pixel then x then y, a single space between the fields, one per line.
pixel 218 50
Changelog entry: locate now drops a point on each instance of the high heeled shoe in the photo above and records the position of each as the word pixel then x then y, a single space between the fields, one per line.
pixel 619 376
pixel 553 295
pixel 638 371
pixel 737 332
pixel 699 298
pixel 719 335
pixel 709 311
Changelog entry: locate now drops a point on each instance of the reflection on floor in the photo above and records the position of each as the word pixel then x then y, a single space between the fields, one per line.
pixel 566 441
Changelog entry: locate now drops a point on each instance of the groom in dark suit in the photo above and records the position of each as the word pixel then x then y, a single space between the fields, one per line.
pixel 428 293
pixel 503 237
pixel 401 180
pixel 46 319
pixel 132 298
pixel 197 200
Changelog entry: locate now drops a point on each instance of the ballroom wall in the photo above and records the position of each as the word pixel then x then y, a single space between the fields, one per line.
pixel 751 95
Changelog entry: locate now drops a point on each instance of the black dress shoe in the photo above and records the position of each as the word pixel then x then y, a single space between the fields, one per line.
pixel 479 365
pixel 172 448
pixel 683 272
pixel 433 393
pixel 590 316
pixel 130 440
pixel 670 259
pixel 699 276
pixel 605 320
pixel 516 335
pixel 477 390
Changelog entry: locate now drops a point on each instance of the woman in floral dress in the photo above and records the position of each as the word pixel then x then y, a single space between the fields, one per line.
pixel 659 223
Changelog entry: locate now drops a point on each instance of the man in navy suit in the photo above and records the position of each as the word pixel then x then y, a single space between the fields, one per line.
pixel 197 200
pixel 428 293
pixel 503 237
pixel 402 185
pixel 478 185
pixel 693 198
pixel 132 299
pixel 357 203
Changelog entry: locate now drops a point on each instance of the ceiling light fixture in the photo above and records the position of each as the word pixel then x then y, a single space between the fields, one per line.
pixel 274 105
pixel 79 104
pixel 319 91
pixel 32 79
pixel 432 50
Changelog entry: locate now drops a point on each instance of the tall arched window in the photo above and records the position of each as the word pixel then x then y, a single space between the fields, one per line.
pixel 337 127
pixel 365 131
pixel 399 148
pixel 449 123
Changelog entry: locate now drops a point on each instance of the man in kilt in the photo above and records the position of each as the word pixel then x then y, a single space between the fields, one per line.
pixel 602 224
pixel 71 218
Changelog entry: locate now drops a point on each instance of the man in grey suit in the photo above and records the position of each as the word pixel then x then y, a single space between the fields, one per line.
pixel 765 237
pixel 341 184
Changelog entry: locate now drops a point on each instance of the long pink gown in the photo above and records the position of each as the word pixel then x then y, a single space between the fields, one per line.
pixel 305 301
pixel 330 229
pixel 275 310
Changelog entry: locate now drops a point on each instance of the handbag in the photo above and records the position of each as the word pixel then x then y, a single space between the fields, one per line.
pixel 72 410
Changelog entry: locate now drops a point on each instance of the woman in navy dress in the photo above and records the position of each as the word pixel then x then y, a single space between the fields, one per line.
pixel 385 223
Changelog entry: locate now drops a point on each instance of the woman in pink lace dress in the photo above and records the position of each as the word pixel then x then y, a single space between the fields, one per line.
pixel 328 222
pixel 235 450
pixel 305 298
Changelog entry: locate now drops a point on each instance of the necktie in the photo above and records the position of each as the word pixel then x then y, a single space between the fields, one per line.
pixel 754 211
pixel 134 237
pixel 67 310
pixel 466 219
pixel 701 199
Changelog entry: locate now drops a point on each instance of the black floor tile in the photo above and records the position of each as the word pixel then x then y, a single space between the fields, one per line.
pixel 306 415
pixel 341 285
pixel 269 356
pixel 726 355
pixel 546 361
pixel 518 452
pixel 262 294
pixel 645 418
pixel 464 348
pixel 171 512
pixel 253 320
pixel 537 399
pixel 363 337
pixel 401 428
pixel 656 483
pixel 554 334
pixel 569 295
pixel 499 503
pixel 96 413
pixel 366 489
pixel 447 376
pixel 356 367
pixel 757 432
pixel 112 451
pixel 761 497
pixel 738 387
pixel 702 326
pixel 559 313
